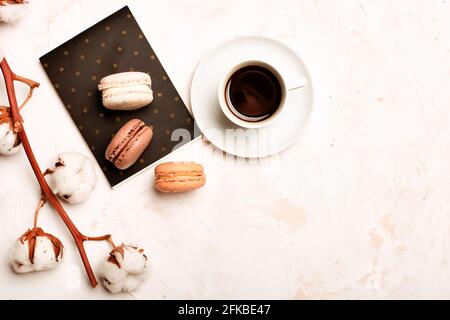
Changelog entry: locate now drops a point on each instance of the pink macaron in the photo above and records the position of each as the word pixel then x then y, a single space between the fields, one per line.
pixel 128 144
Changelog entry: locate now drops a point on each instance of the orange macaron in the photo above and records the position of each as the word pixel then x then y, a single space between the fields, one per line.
pixel 174 177
pixel 128 144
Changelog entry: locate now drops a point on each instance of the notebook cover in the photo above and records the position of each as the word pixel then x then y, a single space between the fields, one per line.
pixel 117 44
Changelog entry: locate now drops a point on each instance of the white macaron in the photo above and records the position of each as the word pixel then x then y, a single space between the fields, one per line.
pixel 126 90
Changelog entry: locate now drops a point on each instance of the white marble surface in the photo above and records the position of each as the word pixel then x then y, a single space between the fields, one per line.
pixel 357 208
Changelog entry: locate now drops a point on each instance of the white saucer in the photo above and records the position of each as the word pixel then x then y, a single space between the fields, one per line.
pixel 254 143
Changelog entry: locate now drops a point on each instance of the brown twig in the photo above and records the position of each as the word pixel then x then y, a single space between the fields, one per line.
pixel 106 237
pixel 47 172
pixel 10 2
pixel 32 84
pixel 47 193
pixel 36 212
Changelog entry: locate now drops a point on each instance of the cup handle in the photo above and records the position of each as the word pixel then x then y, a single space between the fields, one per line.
pixel 298 84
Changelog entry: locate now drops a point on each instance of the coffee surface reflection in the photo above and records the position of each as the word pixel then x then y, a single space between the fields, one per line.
pixel 254 93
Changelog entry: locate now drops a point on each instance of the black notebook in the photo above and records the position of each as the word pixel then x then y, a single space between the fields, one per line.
pixel 117 44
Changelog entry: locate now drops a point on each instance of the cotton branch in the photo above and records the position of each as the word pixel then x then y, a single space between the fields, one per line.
pixel 47 194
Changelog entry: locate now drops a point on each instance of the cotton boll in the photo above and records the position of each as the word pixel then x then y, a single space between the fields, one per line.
pixel 115 274
pixel 45 253
pixel 74 177
pixel 44 256
pixel 134 262
pixel 125 269
pixel 11 12
pixel 9 141
pixel 20 258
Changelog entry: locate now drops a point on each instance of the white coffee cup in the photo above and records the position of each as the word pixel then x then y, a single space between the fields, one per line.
pixel 252 122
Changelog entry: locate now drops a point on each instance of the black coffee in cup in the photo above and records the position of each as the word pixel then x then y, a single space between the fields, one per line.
pixel 254 93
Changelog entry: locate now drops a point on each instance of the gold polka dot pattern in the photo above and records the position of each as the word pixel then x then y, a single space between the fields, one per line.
pixel 116 44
